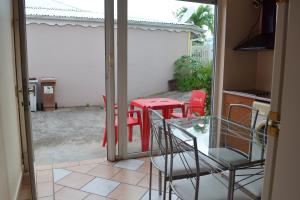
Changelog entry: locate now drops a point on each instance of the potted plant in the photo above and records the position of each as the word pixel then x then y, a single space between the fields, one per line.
pixel 172 85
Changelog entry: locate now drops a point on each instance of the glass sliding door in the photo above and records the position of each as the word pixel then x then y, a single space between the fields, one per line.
pixel 151 37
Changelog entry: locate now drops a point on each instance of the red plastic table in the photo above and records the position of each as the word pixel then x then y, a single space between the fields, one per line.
pixel 164 104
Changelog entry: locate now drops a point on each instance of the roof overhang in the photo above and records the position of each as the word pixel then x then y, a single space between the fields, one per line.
pixel 99 22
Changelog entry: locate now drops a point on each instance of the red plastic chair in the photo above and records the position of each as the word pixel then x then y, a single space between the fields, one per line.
pixel 131 121
pixel 196 104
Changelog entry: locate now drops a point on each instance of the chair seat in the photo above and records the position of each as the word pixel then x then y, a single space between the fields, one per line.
pixel 178 167
pixel 253 184
pixel 210 189
pixel 130 121
pixel 228 155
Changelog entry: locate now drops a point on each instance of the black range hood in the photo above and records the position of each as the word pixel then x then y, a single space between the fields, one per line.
pixel 266 39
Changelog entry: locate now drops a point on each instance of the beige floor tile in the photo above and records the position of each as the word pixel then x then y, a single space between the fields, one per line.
pixel 44 176
pixel 145 182
pixel 82 168
pixel 131 164
pixel 70 194
pixel 46 198
pixel 104 171
pixel 45 189
pixel 96 197
pixel 57 187
pixel 65 164
pixel 146 159
pixel 92 161
pixel 103 161
pixel 106 162
pixel 145 168
pixel 42 167
pixel 60 165
pixel 128 176
pixel 75 180
pixel 155 196
pixel 128 192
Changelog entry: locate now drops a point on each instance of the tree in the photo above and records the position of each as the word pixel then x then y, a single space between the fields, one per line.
pixel 203 16
pixel 180 13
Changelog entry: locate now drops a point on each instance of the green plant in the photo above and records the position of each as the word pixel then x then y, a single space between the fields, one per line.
pixel 190 74
pixel 202 17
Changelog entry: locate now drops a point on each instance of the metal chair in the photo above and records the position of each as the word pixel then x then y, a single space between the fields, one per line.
pixel 241 119
pixel 160 155
pixel 244 115
pixel 207 187
pixel 251 179
pixel 248 179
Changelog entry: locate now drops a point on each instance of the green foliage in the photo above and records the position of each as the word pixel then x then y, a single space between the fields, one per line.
pixel 203 16
pixel 190 74
pixel 180 12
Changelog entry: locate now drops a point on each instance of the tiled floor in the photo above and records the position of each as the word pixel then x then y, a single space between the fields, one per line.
pixel 96 179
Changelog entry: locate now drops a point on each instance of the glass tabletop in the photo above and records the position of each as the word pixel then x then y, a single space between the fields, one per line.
pixel 230 144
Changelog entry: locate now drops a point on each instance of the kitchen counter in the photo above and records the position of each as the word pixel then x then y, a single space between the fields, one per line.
pixel 250 94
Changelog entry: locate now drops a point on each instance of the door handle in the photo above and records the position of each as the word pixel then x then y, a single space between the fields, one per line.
pixel 32 90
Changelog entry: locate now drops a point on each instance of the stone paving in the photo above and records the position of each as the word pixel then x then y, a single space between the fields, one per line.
pixel 74 134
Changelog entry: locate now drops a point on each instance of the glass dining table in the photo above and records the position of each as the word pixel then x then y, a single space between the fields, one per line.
pixel 230 145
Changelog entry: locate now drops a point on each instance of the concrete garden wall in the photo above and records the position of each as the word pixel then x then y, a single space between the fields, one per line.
pixel 75 56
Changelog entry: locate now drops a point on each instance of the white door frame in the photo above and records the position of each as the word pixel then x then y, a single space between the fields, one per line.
pixel 122 46
pixel 22 88
pixel 110 78
pixel 19 87
pixel 122 71
pixel 276 94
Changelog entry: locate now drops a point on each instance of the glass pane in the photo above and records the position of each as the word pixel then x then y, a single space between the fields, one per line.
pixel 212 135
pixel 170 53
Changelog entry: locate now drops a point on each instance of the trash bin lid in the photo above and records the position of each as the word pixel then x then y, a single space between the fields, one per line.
pixel 33 81
pixel 48 80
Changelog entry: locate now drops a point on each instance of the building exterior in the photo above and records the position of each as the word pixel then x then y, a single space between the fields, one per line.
pixel 68 43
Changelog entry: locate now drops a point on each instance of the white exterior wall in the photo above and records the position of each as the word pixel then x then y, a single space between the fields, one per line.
pixel 75 56
pixel 10 151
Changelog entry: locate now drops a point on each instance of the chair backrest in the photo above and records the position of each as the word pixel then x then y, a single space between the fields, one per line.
pixel 246 116
pixel 243 114
pixel 261 135
pixel 197 102
pixel 184 146
pixel 104 100
pixel 159 139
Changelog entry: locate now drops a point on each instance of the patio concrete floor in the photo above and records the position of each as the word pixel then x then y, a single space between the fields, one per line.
pixel 74 134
